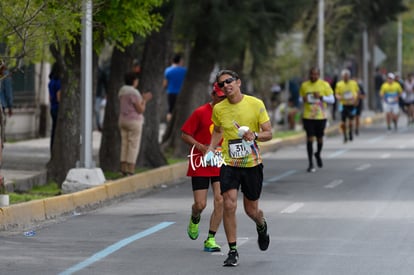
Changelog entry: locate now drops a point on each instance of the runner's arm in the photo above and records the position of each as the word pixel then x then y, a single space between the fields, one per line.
pixel 330 99
pixel 216 136
pixel 190 140
pixel 266 133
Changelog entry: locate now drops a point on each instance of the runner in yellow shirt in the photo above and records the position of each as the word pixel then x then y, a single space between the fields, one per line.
pixel 390 93
pixel 242 121
pixel 316 93
pixel 346 93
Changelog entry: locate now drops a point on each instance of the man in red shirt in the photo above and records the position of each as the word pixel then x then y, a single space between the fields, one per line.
pixel 196 132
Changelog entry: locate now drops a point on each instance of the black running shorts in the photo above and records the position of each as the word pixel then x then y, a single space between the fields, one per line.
pixel 250 179
pixel 314 127
pixel 202 183
pixel 348 112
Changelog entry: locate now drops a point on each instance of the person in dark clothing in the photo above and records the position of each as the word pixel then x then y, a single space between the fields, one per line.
pixel 378 81
pixel 54 98
pixel 334 105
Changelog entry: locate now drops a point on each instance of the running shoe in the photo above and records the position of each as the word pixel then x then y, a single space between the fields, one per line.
pixel 263 238
pixel 210 245
pixel 192 230
pixel 311 169
pixel 318 160
pixel 232 258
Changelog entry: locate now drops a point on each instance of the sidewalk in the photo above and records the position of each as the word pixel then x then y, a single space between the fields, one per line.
pixel 24 162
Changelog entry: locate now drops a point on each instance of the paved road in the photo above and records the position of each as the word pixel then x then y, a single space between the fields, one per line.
pixel 354 216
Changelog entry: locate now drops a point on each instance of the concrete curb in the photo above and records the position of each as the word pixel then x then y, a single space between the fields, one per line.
pixel 25 215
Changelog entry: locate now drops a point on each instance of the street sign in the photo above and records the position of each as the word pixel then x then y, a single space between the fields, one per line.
pixel 379 56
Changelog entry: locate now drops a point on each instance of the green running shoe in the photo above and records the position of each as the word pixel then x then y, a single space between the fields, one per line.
pixel 210 245
pixel 192 230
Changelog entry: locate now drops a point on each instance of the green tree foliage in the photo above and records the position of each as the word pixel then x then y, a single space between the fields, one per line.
pixel 28 27
pixel 408 37
pixel 346 19
pixel 119 22
pixel 224 32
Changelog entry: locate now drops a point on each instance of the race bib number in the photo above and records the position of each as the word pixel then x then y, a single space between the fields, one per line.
pixel 392 99
pixel 348 95
pixel 237 149
pixel 311 99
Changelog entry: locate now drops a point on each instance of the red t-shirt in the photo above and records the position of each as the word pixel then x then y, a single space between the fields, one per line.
pixel 200 127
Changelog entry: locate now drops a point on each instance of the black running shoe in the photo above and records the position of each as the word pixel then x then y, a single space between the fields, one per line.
pixel 263 238
pixel 232 258
pixel 311 169
pixel 318 160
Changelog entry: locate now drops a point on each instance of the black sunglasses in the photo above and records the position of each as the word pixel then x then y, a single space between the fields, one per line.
pixel 227 81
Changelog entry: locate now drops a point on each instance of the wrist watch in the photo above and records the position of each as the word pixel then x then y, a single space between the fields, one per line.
pixel 256 135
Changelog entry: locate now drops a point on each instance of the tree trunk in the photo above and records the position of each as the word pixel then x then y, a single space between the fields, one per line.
pixel 195 91
pixel 109 152
pixel 66 147
pixel 155 56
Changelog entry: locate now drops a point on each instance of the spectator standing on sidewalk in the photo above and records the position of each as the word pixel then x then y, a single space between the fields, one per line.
pixel 196 132
pixel 131 119
pixel 54 98
pixel 6 88
pixel 173 80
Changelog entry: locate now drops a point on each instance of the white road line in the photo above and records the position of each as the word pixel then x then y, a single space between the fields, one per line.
pixel 279 177
pixel 363 167
pixel 374 140
pixel 385 156
pixel 240 242
pixel 334 183
pixel 337 153
pixel 292 208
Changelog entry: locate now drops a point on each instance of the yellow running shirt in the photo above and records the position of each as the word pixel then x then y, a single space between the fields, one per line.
pixel 250 112
pixel 391 92
pixel 348 92
pixel 314 108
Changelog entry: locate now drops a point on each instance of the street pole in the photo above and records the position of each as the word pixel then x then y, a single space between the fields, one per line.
pixel 399 47
pixel 85 175
pixel 321 22
pixel 365 62
pixel 86 87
